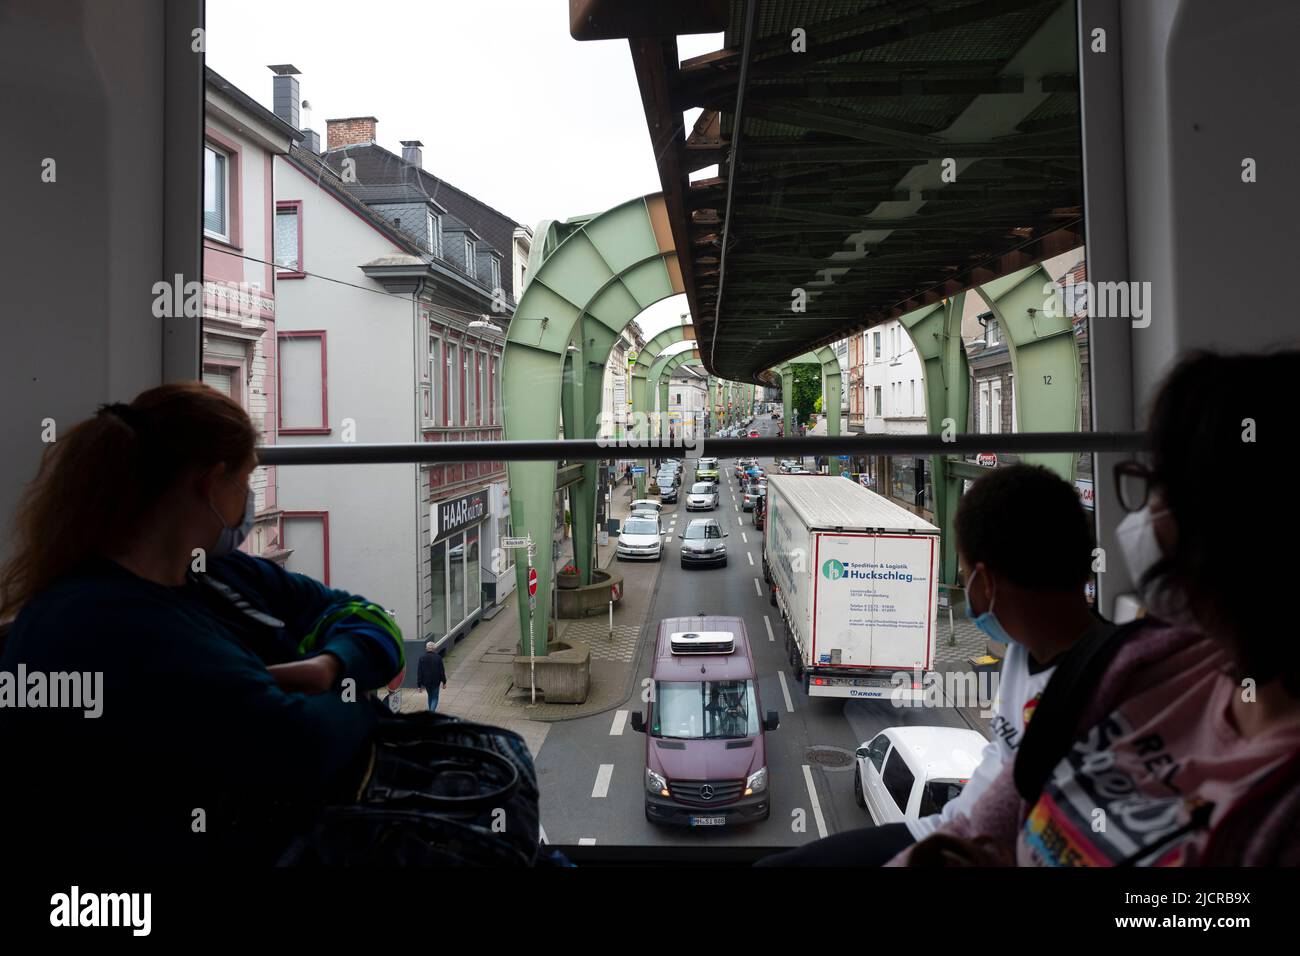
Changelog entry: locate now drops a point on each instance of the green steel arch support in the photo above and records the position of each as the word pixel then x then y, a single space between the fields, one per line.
pixel 588 279
pixel 638 386
pixel 829 362
pixel 1045 368
pixel 658 380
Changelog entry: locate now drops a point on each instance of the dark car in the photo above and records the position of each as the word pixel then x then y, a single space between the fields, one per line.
pixel 702 543
pixel 760 512
pixel 705 756
pixel 667 489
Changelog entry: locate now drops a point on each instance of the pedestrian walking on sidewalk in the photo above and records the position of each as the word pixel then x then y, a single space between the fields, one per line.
pixel 432 675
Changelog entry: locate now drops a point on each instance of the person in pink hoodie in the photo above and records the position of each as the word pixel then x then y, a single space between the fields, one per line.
pixel 1187 750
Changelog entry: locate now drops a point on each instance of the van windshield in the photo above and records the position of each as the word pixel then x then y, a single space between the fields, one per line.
pixel 699 710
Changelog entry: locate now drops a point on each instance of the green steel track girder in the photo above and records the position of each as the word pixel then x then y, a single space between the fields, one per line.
pixel 588 278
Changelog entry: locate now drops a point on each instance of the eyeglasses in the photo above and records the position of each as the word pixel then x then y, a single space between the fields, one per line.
pixel 1133 482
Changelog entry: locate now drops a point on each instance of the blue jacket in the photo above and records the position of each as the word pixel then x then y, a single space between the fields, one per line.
pixel 195 739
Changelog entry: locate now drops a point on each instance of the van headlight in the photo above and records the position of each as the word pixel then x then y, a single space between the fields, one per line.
pixel 756 782
pixel 655 783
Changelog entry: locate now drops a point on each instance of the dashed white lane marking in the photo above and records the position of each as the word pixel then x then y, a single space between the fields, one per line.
pixel 757 590
pixel 603 775
pixel 620 719
pixel 586 841
pixel 785 690
pixel 744 538
pixel 768 622
pixel 816 804
pixel 751 558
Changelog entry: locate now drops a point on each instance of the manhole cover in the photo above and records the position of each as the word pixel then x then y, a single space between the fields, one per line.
pixel 830 758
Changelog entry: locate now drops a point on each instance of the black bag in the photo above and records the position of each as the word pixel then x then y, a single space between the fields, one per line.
pixel 1055 725
pixel 441 792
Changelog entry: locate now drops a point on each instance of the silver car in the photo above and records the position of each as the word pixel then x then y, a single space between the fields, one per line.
pixel 702 543
pixel 703 496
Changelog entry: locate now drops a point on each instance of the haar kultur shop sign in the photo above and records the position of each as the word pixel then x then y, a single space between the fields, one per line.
pixel 455 514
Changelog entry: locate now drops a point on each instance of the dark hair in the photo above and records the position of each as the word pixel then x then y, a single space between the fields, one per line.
pixel 99 480
pixel 1027 523
pixel 1218 428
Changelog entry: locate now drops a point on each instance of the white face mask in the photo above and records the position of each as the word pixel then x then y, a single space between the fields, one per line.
pixel 1141 549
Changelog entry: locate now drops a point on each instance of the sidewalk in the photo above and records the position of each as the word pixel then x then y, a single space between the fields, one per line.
pixel 480 667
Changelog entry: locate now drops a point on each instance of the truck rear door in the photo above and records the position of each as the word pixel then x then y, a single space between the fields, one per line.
pixel 874 600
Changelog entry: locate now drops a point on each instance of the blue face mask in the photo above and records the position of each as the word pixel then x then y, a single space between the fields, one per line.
pixel 988 622
pixel 232 538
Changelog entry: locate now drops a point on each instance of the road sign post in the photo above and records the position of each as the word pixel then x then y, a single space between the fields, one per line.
pixel 532 628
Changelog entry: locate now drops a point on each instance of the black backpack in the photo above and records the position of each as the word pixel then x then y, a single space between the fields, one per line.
pixel 441 792
pixel 1055 724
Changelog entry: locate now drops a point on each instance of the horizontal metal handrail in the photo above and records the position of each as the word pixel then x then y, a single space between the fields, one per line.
pixel 593 449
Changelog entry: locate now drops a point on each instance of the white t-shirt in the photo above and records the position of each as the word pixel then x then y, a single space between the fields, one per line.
pixel 1016 696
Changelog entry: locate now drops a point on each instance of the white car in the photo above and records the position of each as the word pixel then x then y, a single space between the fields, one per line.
pixel 905 773
pixel 641 537
pixel 647 504
pixel 703 496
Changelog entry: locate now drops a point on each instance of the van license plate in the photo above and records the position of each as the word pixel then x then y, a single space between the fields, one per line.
pixel 708 821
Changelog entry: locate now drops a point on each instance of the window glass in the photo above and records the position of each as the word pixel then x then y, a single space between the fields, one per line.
pixel 898 780
pixel 286 238
pixel 214 192
pixel 473 572
pixel 936 794
pixel 877 751
pixel 438 589
pixel 705 709
pixel 456 578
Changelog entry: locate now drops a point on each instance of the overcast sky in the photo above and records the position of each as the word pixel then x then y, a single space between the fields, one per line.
pixel 509 107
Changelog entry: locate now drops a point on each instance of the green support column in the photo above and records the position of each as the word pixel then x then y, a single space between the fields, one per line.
pixel 786 371
pixel 936 334
pixel 589 278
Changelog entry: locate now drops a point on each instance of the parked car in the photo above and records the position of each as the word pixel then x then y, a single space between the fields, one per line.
pixel 641 537
pixel 702 543
pixel 703 496
pixel 905 773
pixel 705 753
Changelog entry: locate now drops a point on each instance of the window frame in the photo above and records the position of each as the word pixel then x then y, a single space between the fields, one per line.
pixel 282 273
pixel 228 153
pixel 324 427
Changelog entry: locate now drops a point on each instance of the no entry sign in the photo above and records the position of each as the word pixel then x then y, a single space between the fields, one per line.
pixel 532 581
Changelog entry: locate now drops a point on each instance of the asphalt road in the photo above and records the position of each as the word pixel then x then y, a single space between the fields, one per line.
pixel 592 769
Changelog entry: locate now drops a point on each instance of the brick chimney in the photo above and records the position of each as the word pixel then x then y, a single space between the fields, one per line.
pixel 350 131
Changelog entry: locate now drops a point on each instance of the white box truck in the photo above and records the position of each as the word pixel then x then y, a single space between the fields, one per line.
pixel 856 579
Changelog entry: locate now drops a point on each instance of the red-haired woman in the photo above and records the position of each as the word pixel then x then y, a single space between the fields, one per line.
pixel 212 685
